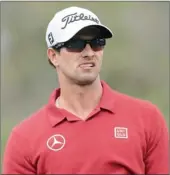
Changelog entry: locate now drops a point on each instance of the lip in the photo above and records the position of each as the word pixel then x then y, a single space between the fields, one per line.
pixel 86 63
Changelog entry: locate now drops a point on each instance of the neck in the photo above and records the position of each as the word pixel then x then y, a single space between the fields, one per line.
pixel 80 100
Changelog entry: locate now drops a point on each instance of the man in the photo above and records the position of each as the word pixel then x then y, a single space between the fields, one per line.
pixel 86 127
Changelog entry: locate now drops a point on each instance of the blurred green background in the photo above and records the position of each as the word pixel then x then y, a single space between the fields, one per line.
pixel 136 60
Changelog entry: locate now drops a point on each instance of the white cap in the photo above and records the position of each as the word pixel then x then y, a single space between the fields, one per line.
pixel 66 23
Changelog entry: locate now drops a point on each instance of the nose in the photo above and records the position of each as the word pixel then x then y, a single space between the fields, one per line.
pixel 88 51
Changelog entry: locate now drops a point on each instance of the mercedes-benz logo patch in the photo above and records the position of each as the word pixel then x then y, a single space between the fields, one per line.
pixel 56 142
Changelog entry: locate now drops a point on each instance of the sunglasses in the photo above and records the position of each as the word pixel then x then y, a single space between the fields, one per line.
pixel 77 45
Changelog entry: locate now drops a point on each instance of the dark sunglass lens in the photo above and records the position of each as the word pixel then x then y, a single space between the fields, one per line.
pixel 75 45
pixel 102 42
pixel 97 43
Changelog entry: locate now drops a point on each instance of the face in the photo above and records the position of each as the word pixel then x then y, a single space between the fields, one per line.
pixel 80 67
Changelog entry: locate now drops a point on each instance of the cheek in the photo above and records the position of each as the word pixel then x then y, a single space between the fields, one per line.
pixel 65 62
pixel 99 55
pixel 67 59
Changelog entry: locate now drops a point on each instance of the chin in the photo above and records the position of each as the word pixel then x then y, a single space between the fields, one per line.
pixel 85 81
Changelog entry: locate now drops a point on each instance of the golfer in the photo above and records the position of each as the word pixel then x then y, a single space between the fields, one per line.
pixel 86 127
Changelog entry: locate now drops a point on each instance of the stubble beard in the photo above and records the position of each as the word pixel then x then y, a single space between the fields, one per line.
pixel 78 80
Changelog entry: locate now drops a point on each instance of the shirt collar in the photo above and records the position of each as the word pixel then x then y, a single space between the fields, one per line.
pixel 55 115
pixel 107 101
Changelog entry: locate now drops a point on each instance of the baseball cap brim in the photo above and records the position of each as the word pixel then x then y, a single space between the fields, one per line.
pixel 105 32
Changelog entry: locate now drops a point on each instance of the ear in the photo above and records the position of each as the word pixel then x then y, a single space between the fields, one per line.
pixel 52 56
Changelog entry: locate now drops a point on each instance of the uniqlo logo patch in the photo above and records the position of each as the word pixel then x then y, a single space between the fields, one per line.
pixel 121 132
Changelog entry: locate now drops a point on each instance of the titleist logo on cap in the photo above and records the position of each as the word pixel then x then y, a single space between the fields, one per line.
pixel 77 17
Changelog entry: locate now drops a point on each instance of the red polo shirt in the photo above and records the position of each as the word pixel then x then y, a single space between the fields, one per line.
pixel 122 135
